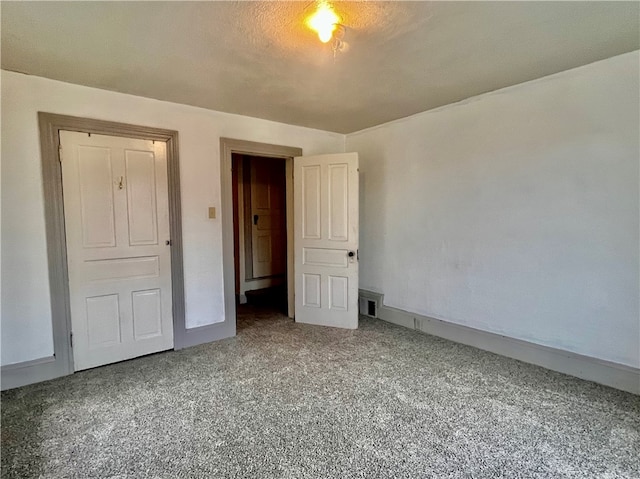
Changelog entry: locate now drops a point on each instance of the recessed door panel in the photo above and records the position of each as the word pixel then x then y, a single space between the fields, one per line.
pixel 338 202
pixel 103 320
pixel 96 196
pixel 147 314
pixel 311 202
pixel 336 258
pixel 123 268
pixel 263 250
pixel 338 293
pixel 311 290
pixel 140 182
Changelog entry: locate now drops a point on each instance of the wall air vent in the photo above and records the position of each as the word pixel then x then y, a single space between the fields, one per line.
pixel 368 307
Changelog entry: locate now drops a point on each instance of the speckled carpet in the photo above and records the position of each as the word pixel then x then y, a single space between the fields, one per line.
pixel 283 400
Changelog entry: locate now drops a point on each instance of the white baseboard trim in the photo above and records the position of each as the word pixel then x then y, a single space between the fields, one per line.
pixel 615 375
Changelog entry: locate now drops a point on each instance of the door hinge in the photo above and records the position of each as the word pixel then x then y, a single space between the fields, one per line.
pixel 71 338
pixel 60 153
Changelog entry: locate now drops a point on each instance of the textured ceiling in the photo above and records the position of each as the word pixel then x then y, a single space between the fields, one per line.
pixel 259 59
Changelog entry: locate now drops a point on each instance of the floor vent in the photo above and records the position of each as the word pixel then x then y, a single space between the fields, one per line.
pixel 368 307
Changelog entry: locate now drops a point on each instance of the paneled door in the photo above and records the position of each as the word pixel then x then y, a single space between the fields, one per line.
pixel 118 246
pixel 326 239
pixel 268 230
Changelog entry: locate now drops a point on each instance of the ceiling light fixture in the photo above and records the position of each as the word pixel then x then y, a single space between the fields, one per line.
pixel 324 21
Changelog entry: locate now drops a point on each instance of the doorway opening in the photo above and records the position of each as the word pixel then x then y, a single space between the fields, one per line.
pixel 233 247
pixel 260 236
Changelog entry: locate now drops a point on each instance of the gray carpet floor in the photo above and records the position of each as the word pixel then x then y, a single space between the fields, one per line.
pixel 283 400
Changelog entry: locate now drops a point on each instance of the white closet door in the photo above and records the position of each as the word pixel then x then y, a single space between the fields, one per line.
pixel 117 229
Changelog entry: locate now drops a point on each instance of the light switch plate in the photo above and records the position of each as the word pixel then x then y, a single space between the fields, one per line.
pixel 212 212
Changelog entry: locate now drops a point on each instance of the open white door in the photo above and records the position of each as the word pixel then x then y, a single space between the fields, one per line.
pixel 326 239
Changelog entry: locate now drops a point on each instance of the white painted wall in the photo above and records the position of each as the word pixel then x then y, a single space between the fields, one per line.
pixel 514 212
pixel 26 316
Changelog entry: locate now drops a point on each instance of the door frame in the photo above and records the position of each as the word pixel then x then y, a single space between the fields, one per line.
pixel 50 125
pixel 228 146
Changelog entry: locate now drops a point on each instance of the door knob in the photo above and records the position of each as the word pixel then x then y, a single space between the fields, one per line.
pixel 255 219
pixel 351 254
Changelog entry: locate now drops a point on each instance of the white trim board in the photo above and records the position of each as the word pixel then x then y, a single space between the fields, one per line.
pixel 600 371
